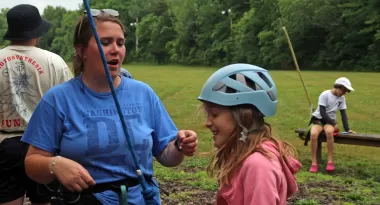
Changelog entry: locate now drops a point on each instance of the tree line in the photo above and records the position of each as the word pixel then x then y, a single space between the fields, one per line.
pixel 326 34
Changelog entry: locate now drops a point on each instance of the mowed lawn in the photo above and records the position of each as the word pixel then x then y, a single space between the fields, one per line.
pixel 357 176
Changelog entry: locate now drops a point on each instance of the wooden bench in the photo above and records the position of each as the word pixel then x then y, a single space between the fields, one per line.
pixel 371 140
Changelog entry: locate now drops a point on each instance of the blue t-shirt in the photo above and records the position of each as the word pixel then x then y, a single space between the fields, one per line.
pixel 77 123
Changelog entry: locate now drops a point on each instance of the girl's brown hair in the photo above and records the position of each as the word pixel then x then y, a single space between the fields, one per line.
pixel 83 33
pixel 228 159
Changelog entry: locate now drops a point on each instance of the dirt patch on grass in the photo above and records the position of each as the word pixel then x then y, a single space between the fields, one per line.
pixel 322 192
pixel 180 193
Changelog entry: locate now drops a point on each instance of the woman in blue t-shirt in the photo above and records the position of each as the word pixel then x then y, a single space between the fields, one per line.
pixel 76 135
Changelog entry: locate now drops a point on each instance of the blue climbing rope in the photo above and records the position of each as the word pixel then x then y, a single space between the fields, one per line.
pixel 148 192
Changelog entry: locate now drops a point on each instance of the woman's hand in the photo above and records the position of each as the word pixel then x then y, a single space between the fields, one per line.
pixel 188 142
pixel 72 175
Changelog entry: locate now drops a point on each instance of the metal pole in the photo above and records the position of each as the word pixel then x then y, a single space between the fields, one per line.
pixel 136 34
pixel 230 21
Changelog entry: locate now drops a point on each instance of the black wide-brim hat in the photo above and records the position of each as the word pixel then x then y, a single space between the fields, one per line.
pixel 25 23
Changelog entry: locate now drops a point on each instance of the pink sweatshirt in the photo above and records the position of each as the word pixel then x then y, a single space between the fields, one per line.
pixel 261 181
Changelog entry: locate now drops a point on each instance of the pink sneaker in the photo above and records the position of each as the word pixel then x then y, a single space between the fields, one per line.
pixel 313 168
pixel 330 167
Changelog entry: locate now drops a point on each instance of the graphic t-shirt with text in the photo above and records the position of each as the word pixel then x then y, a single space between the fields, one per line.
pixel 26 73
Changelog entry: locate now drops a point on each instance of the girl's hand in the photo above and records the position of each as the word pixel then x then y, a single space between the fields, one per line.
pixel 72 175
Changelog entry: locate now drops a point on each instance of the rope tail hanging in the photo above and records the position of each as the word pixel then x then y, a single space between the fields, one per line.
pixel 148 192
pixel 298 69
pixel 294 58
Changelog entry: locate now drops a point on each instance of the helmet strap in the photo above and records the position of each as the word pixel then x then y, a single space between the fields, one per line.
pixel 245 132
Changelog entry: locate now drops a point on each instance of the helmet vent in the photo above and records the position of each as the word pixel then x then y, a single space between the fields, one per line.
pixel 252 84
pixel 262 76
pixel 221 87
pixel 246 81
pixel 271 95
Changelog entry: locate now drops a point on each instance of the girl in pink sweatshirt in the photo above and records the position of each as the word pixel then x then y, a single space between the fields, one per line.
pixel 252 166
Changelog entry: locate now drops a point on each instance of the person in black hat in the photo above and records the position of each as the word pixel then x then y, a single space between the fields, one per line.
pixel 26 73
pixel 25 23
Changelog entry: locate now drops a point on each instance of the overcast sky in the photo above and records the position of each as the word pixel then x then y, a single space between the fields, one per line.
pixel 41 4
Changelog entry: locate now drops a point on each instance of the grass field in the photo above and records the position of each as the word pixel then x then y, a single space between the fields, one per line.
pixel 357 176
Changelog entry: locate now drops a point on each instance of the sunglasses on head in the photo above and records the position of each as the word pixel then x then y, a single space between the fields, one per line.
pixel 97 12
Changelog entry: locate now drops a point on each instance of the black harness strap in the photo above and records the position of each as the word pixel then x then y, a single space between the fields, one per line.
pixel 62 196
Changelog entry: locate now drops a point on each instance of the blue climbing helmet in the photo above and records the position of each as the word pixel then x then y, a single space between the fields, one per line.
pixel 125 73
pixel 238 84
